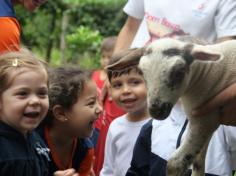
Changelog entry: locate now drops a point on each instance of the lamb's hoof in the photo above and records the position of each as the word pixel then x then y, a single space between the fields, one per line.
pixel 174 169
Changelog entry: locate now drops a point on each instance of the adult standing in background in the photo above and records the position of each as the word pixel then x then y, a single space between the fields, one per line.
pixel 9 25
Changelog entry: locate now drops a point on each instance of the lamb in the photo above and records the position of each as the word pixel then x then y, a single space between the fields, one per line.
pixel 195 73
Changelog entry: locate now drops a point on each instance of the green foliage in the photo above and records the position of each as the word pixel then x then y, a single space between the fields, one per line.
pixel 89 22
pixel 84 39
pixel 82 42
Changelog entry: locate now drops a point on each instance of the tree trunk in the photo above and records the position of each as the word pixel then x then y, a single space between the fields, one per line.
pixel 64 24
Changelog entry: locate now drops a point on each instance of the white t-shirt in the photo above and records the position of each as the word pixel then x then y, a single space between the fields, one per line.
pixel 120 141
pixel 205 19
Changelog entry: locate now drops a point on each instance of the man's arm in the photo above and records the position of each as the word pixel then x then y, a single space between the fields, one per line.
pixel 225 38
pixel 127 33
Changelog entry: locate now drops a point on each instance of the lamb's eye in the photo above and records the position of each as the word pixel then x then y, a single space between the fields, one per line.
pixel 176 76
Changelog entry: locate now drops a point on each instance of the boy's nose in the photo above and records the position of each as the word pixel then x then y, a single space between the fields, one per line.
pixel 126 89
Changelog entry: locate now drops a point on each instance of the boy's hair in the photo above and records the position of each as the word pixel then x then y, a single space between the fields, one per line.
pixel 108 44
pixel 11 61
pixel 113 73
pixel 65 87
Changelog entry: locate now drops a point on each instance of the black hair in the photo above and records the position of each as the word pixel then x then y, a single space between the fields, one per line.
pixel 65 87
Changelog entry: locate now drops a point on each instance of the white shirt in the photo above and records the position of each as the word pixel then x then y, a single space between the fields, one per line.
pixel 205 19
pixel 120 141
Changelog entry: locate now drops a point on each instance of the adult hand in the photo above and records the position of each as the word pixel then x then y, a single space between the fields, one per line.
pixel 225 103
pixel 67 172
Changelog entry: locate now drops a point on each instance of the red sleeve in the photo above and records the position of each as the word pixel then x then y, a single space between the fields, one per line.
pixel 9 34
pixel 86 164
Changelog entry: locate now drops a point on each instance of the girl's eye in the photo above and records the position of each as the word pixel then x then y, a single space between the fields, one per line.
pixel 91 103
pixel 21 93
pixel 43 93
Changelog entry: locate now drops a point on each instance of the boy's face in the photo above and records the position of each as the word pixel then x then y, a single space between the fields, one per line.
pixel 105 57
pixel 82 115
pixel 129 91
pixel 25 102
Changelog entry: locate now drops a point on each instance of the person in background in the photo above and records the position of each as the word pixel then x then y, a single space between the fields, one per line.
pixel 110 108
pixel 128 90
pixel 9 25
pixel 70 120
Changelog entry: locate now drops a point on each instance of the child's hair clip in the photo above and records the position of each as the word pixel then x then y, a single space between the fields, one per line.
pixel 15 62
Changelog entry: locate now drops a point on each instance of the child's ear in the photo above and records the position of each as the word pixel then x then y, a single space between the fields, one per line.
pixel 59 113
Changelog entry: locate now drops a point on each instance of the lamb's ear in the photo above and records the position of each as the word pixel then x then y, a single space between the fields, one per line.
pixel 205 54
pixel 126 58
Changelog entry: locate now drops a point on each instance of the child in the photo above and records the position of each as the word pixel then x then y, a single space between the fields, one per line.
pixel 70 120
pixel 128 90
pixel 159 139
pixel 110 109
pixel 23 104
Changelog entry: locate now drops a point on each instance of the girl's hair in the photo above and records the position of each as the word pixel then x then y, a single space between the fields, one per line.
pixel 65 87
pixel 11 61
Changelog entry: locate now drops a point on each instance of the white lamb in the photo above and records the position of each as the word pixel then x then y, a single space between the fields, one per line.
pixel 196 73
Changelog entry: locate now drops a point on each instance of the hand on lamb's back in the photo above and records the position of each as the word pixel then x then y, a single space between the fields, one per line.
pixel 225 102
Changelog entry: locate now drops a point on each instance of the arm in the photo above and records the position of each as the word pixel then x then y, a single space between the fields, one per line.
pixel 225 38
pixel 127 33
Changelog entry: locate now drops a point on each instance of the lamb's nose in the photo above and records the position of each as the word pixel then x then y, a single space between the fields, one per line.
pixel 160 110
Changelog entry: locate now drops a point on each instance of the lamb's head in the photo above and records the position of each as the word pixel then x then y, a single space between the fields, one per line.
pixel 166 65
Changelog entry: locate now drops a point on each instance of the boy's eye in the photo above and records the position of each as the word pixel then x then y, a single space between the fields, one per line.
pixel 135 82
pixel 116 85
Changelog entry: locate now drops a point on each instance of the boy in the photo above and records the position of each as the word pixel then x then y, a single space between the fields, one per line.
pixel 128 90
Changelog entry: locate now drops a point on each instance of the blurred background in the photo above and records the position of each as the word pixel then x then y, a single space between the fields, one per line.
pixel 71 31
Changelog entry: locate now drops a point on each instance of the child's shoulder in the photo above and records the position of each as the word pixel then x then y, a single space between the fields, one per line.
pixel 119 120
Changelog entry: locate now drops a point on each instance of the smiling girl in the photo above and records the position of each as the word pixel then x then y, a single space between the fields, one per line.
pixel 70 121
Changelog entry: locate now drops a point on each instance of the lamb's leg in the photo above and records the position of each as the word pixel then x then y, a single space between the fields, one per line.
pixel 199 161
pixel 200 130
